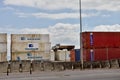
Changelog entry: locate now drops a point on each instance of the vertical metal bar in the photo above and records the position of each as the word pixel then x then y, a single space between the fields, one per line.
pixel 107 54
pixel 81 49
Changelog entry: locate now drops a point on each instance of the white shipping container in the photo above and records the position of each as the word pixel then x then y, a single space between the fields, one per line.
pixel 63 55
pixel 27 47
pixel 31 55
pixel 39 38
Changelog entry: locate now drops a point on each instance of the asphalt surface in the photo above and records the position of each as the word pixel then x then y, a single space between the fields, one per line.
pixel 104 74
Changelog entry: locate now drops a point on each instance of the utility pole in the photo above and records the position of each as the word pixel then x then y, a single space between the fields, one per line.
pixel 81 45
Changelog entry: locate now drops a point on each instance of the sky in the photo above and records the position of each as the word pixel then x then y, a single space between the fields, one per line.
pixel 59 18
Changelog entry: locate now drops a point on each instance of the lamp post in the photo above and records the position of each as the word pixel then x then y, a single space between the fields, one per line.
pixel 81 45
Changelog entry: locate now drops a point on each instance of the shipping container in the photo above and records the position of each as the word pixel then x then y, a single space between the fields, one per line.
pixel 77 55
pixel 63 55
pixel 30 56
pixel 40 38
pixel 101 39
pixel 95 54
pixel 26 47
pixel 3 47
pixel 113 53
pixel 37 45
pixel 101 54
pixel 72 55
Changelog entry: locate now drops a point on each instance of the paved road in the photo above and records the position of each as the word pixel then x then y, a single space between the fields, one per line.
pixel 109 74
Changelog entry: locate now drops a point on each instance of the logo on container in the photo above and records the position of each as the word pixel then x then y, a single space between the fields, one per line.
pixel 91 39
pixel 32 46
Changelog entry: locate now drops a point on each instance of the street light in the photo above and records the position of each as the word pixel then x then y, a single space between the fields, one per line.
pixel 81 48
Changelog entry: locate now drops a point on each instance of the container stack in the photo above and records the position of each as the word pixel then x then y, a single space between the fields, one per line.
pixel 98 46
pixel 3 47
pixel 30 47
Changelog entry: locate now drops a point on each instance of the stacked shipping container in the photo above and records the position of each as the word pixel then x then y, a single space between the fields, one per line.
pixel 3 47
pixel 30 46
pixel 101 45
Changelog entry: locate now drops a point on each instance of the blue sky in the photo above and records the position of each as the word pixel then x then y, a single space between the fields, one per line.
pixel 59 18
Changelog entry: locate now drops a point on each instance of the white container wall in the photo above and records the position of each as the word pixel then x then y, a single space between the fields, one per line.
pixel 3 47
pixel 26 47
pixel 40 38
pixel 3 38
pixel 37 45
pixel 63 55
pixel 31 56
pixel 3 57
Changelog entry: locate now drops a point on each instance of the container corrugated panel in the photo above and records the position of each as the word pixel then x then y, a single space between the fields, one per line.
pixel 101 39
pixel 72 55
pixel 114 53
pixel 98 54
pixel 3 37
pixel 3 47
pixel 3 57
pixel 30 38
pixel 77 55
pixel 102 54
pixel 86 54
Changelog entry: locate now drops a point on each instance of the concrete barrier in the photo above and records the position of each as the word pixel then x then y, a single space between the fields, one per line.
pixel 105 64
pixel 114 63
pixel 3 67
pixel 37 66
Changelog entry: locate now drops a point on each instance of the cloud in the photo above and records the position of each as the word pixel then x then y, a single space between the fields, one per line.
pixel 113 28
pixel 56 15
pixel 65 33
pixel 109 5
pixel 59 33
pixel 44 4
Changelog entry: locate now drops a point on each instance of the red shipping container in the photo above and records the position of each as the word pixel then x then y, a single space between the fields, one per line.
pixel 86 54
pixel 98 54
pixel 114 53
pixel 101 54
pixel 72 55
pixel 101 39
